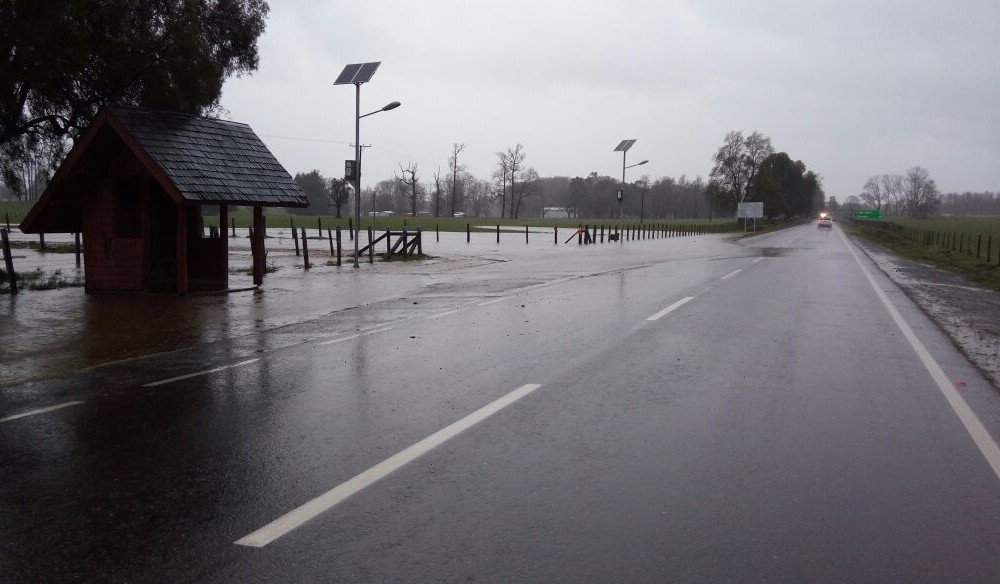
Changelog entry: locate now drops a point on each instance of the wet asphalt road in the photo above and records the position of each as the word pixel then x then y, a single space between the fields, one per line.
pixel 777 426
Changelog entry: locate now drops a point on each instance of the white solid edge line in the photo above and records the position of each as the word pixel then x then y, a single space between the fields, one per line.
pixel 200 373
pixel 40 411
pixel 295 518
pixel 449 313
pixel 980 435
pixel 757 260
pixel 495 300
pixel 671 308
pixel 731 274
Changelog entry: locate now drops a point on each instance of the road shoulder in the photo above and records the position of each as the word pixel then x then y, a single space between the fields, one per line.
pixel 968 313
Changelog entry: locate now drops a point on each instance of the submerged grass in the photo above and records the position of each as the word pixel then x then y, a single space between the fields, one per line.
pixel 38 280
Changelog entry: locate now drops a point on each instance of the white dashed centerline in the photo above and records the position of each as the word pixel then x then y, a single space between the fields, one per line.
pixel 40 411
pixel 671 308
pixel 294 519
pixel 200 373
pixel 362 334
pixel 731 274
pixel 449 313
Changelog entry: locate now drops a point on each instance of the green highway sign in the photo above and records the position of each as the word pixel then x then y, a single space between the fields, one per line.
pixel 869 214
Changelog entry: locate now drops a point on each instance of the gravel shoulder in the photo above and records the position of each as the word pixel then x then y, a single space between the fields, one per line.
pixel 969 314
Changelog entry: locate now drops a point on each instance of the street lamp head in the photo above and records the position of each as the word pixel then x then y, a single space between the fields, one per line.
pixel 390 106
pixel 641 163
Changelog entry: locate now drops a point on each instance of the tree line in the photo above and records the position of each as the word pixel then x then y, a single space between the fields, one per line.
pixel 914 194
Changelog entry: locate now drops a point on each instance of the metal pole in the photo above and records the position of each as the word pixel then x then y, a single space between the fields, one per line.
pixel 357 171
pixel 621 203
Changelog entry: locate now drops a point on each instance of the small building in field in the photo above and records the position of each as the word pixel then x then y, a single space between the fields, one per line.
pixel 135 185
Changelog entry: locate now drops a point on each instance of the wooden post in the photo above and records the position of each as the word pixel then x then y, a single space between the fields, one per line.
pixel 319 227
pixel 579 235
pixel 224 235
pixel 602 233
pixel 257 246
pixel 979 245
pixel 437 233
pixel 404 240
pixel 526 234
pixel 41 241
pixel 420 242
pixel 329 236
pixel 498 234
pixel 371 248
pixel 350 227
pixel 468 234
pixel 76 241
pixel 182 250
pixel 338 246
pixel 8 261
pixel 7 215
pixel 295 236
pixel 233 221
pixel 305 250
pixel 556 228
pixel 263 224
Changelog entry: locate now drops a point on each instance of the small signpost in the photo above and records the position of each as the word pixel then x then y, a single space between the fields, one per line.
pixel 869 214
pixel 751 210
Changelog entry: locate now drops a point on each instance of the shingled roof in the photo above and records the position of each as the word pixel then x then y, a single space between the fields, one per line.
pixel 211 161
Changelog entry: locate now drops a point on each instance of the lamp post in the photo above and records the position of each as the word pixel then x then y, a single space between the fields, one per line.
pixel 623 148
pixel 356 75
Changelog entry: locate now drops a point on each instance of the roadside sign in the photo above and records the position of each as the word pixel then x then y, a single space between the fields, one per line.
pixel 750 210
pixel 621 195
pixel 350 170
pixel 869 214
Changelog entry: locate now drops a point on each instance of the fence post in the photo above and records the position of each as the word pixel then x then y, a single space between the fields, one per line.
pixel 498 233
pixel 556 228
pixel 437 233
pixel 338 246
pixel 525 234
pixel 420 242
pixel 989 248
pixel 41 241
pixel 7 216
pixel 979 244
pixel 468 234
pixel 295 236
pixel 305 250
pixel 319 227
pixel 232 221
pixel 371 248
pixel 76 240
pixel 602 233
pixel 8 261
pixel 350 227
pixel 405 234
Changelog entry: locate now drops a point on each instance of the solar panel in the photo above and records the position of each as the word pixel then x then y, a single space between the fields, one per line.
pixel 624 146
pixel 366 72
pixel 347 75
pixel 357 73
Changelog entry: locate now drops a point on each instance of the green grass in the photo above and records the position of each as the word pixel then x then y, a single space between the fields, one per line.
pixel 907 237
pixel 15 211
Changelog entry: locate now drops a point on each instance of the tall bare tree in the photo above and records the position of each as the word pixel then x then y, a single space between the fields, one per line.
pixel 501 174
pixel 515 163
pixel 737 162
pixel 920 193
pixel 410 185
pixel 455 168
pixel 437 193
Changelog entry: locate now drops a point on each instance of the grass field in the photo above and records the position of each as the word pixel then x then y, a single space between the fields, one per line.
pixel 966 245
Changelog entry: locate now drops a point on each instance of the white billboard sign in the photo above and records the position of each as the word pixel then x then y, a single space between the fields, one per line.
pixel 750 210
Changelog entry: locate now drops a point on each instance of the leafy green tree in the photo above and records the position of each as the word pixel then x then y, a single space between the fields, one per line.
pixel 737 162
pixel 315 186
pixel 337 194
pixel 60 64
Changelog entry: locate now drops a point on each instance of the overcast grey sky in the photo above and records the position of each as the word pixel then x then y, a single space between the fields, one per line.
pixel 852 88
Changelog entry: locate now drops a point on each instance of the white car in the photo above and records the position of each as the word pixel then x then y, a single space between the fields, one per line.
pixel 825 222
